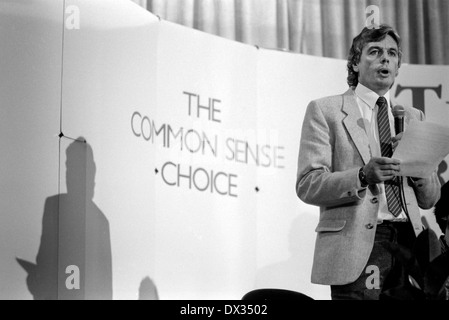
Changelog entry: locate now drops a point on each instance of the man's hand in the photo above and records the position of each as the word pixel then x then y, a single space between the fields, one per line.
pixel 381 169
pixel 395 140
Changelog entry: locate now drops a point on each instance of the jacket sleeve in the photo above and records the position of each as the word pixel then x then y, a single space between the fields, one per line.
pixel 316 182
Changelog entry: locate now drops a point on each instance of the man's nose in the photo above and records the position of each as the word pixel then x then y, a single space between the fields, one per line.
pixel 384 58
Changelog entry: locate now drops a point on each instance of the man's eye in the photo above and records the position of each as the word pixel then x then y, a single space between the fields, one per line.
pixel 374 52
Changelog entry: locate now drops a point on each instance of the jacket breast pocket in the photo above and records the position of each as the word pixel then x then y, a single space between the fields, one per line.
pixel 330 225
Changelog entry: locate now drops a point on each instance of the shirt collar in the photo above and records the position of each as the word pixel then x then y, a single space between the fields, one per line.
pixel 368 96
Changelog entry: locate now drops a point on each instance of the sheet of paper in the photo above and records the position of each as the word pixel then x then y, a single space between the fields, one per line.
pixel 422 147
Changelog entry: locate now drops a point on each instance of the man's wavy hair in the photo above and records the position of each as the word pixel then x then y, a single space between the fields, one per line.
pixel 358 43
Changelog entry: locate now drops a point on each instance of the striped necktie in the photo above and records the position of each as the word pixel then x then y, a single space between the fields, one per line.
pixel 392 190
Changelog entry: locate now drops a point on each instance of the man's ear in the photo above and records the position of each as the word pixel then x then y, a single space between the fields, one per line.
pixel 355 67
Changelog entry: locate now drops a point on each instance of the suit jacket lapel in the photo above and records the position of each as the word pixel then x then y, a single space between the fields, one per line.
pixel 355 126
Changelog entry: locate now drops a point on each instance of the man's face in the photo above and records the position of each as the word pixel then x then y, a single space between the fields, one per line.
pixel 378 65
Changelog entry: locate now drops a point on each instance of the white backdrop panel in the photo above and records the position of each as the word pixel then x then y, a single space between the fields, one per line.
pixel 286 84
pixel 109 74
pixel 30 87
pixel 206 226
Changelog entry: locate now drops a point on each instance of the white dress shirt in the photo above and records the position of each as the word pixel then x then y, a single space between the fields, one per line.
pixel 366 100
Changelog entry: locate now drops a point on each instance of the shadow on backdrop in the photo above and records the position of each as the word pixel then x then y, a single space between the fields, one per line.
pixel 148 290
pixel 74 258
pixel 284 280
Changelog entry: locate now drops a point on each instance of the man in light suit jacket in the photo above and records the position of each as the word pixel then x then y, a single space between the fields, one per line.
pixel 342 170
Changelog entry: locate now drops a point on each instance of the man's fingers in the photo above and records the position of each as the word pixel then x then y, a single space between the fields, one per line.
pixel 390 167
pixel 388 173
pixel 398 137
pixel 386 160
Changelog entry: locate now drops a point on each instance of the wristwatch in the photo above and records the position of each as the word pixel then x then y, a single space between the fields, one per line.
pixel 362 178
